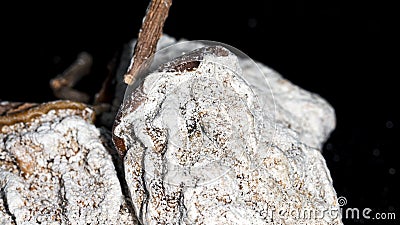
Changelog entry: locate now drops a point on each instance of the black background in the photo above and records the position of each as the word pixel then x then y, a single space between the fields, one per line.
pixel 347 53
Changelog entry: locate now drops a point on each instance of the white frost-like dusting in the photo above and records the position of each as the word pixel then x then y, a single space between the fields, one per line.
pixel 55 170
pixel 207 147
pixel 208 142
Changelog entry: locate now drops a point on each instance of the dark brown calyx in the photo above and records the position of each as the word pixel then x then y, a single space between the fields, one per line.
pixel 185 66
pixel 192 60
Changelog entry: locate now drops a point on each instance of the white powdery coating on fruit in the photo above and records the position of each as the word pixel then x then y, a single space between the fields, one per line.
pixel 282 169
pixel 71 178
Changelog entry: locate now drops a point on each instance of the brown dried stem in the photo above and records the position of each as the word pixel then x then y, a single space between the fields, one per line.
pixel 149 35
pixel 31 111
pixel 104 97
pixel 63 84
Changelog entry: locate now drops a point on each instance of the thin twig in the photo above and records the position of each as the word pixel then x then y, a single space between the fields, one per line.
pixel 149 35
pixel 63 84
pixel 104 95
